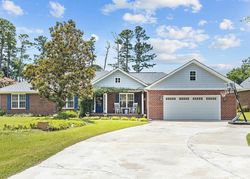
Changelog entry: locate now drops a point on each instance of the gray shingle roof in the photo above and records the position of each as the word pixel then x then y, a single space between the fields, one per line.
pixel 148 77
pixel 246 83
pixel 21 87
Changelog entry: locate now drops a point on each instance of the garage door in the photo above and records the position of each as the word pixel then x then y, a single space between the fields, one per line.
pixel 191 107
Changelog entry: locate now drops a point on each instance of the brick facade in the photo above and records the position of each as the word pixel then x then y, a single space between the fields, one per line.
pixel 245 98
pixel 38 105
pixel 155 102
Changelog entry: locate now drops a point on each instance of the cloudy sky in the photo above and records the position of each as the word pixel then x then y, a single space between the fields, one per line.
pixel 208 30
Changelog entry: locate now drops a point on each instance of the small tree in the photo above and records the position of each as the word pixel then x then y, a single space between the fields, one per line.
pixel 65 70
pixel 142 51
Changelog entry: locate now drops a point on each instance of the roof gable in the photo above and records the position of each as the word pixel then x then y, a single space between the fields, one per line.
pixel 127 80
pixel 198 64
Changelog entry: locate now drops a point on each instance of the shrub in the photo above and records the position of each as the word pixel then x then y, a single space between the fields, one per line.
pixel 115 118
pixel 143 119
pixel 66 115
pixel 55 125
pixel 125 118
pixel 2 113
pixel 92 118
pixel 86 106
pixel 71 113
pixel 133 119
pixel 105 118
pixel 245 109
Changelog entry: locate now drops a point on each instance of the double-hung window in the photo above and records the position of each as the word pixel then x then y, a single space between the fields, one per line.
pixel 69 103
pixel 192 75
pixel 18 101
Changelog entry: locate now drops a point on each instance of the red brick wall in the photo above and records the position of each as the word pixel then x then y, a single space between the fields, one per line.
pixel 155 102
pixel 245 98
pixel 38 105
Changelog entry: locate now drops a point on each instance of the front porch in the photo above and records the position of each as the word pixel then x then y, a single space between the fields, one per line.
pixel 131 103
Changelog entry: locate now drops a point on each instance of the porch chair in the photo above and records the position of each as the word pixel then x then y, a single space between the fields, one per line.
pixel 117 108
pixel 134 108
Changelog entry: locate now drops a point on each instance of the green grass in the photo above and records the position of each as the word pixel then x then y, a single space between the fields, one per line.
pixel 247 114
pixel 22 149
pixel 248 139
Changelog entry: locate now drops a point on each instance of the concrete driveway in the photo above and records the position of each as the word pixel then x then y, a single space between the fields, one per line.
pixel 156 150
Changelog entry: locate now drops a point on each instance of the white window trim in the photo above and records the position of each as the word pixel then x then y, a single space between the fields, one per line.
pixel 117 78
pixel 66 104
pixel 126 98
pixel 18 101
pixel 195 75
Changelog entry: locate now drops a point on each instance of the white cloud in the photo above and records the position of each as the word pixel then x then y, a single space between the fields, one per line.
pixel 170 17
pixel 95 36
pixel 25 30
pixel 226 24
pixel 12 8
pixel 147 18
pixel 202 23
pixel 183 33
pixel 151 5
pixel 169 46
pixel 179 58
pixel 225 42
pixel 56 9
pixel 222 66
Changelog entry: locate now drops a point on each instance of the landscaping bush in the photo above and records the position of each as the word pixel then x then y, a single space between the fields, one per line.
pixel 125 118
pixel 55 125
pixel 104 118
pixel 143 119
pixel 133 119
pixel 115 118
pixel 66 115
pixel 86 106
pixel 2 113
pixel 245 109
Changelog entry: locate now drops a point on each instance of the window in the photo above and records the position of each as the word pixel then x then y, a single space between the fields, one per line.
pixel 198 98
pixel 126 100
pixel 192 75
pixel 211 98
pixel 69 103
pixel 117 80
pixel 184 98
pixel 18 101
pixel 170 98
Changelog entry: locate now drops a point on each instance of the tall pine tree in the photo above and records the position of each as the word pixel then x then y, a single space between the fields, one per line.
pixel 142 50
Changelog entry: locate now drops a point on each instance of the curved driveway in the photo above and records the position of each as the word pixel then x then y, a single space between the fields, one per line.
pixel 156 150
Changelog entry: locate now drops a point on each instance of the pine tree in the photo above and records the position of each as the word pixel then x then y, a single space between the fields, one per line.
pixel 142 50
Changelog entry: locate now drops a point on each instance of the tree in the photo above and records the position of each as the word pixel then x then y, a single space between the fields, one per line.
pixel 92 50
pixel 39 44
pixel 65 70
pixel 117 48
pixel 7 44
pixel 241 73
pixel 126 48
pixel 23 55
pixel 106 55
pixel 142 51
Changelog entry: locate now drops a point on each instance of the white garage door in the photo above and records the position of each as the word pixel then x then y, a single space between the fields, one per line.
pixel 186 107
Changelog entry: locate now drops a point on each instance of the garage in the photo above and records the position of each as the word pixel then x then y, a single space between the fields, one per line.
pixel 191 107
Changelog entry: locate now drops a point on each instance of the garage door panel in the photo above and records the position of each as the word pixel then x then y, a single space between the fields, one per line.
pixel 191 107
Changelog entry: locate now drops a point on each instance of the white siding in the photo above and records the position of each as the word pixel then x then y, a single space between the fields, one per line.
pixel 126 82
pixel 180 80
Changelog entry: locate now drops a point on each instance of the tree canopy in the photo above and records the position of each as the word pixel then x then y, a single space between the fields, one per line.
pixel 65 70
pixel 241 73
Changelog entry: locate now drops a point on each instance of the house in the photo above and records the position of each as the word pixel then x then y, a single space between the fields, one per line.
pixel 244 93
pixel 191 92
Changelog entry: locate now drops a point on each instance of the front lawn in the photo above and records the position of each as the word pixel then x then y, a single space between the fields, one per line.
pixel 21 149
pixel 247 114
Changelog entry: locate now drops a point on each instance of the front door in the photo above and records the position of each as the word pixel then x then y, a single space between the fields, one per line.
pixel 99 104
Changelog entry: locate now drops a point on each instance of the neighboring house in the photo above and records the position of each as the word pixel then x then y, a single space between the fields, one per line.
pixel 191 92
pixel 245 93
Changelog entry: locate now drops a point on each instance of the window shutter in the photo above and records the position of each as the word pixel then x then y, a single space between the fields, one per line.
pixel 116 97
pixel 9 102
pixel 75 102
pixel 27 102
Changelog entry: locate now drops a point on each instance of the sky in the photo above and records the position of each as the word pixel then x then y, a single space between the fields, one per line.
pixel 210 31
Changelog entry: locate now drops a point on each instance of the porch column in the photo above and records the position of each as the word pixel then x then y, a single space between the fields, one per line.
pixel 105 103
pixel 94 101
pixel 142 102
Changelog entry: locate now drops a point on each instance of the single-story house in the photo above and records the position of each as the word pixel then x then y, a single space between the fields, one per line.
pixel 244 93
pixel 191 92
